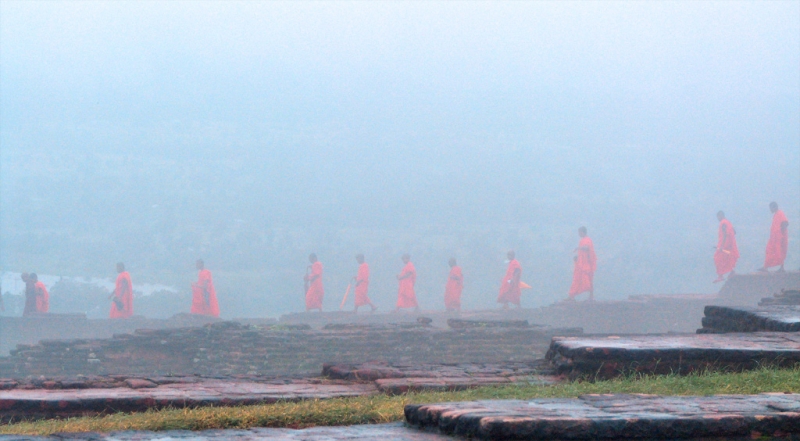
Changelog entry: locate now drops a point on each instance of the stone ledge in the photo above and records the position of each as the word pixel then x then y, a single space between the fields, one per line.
pixel 614 417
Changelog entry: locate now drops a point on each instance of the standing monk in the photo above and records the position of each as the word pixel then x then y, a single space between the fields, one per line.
pixel 42 296
pixel 453 288
pixel 727 253
pixel 778 239
pixel 585 266
pixel 313 279
pixel 122 298
pixel 406 297
pixel 510 290
pixel 361 281
pixel 204 296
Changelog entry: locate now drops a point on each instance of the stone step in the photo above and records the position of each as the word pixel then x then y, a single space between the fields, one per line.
pixel 610 356
pixel 614 417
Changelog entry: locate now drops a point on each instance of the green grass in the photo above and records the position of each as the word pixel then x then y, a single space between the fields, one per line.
pixel 384 408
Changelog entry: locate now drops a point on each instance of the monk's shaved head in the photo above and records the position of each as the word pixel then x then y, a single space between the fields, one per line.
pixel 511 255
pixel 360 258
pixel 120 267
pixel 406 258
pixel 720 215
pixel 773 206
pixel 200 264
pixel 312 258
pixel 582 231
pixel 452 262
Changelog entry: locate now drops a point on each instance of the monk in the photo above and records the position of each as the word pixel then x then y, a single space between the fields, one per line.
pixel 510 290
pixel 361 281
pixel 778 242
pixel 314 290
pixel 453 288
pixel 585 266
pixel 727 253
pixel 122 298
pixel 37 299
pixel 406 297
pixel 204 296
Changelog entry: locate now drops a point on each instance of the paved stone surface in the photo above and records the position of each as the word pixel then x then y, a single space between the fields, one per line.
pixel 614 417
pixel 387 432
pixel 609 356
pixel 785 297
pixel 749 289
pixel 49 403
pixel 725 319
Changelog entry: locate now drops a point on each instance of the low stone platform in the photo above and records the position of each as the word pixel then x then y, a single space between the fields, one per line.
pixel 724 319
pixel 65 397
pixel 749 289
pixel 609 356
pixel 19 404
pixel 614 417
pixel 393 432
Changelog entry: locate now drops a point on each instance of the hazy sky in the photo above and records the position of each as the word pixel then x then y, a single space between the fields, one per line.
pixel 640 119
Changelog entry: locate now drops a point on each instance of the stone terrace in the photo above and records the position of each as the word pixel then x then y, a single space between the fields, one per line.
pixel 610 356
pixel 724 319
pixel 614 417
pixel 230 348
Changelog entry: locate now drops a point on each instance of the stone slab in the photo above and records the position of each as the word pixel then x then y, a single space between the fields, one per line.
pixel 725 319
pixel 614 417
pixel 749 289
pixel 18 404
pixel 394 432
pixel 609 356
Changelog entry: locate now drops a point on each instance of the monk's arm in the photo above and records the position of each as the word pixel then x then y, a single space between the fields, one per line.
pixel 784 226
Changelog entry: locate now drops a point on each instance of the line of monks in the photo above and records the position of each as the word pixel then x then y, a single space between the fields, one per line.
pixel 727 253
pixel 204 296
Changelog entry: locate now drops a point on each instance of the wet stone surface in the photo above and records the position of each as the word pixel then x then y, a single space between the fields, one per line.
pixel 610 356
pixel 615 417
pixel 388 432
pixel 725 319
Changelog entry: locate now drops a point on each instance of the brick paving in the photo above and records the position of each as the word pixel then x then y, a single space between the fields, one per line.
pixel 614 417
pixel 610 356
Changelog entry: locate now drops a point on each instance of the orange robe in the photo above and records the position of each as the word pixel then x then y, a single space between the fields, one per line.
pixel 778 241
pixel 727 252
pixel 585 266
pixel 362 279
pixel 510 290
pixel 315 290
pixel 124 294
pixel 453 288
pixel 406 297
pixel 42 298
pixel 204 296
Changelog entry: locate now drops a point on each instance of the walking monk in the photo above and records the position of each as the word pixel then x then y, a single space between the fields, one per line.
pixel 727 253
pixel 362 284
pixel 313 279
pixel 122 304
pixel 585 266
pixel 453 288
pixel 406 297
pixel 778 239
pixel 510 290
pixel 204 296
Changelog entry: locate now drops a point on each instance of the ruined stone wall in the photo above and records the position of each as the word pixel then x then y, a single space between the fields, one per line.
pixel 230 348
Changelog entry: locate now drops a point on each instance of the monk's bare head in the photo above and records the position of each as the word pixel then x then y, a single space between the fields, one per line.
pixel 406 258
pixel 24 277
pixel 452 262
pixel 120 267
pixel 511 255
pixel 312 258
pixel 720 215
pixel 773 206
pixel 200 264
pixel 582 232
pixel 360 258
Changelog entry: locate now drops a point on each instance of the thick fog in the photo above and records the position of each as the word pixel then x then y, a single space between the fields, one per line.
pixel 251 134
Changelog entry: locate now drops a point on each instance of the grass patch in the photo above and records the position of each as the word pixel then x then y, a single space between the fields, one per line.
pixel 384 409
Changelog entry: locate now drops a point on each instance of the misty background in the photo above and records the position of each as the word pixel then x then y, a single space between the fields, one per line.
pixel 250 134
